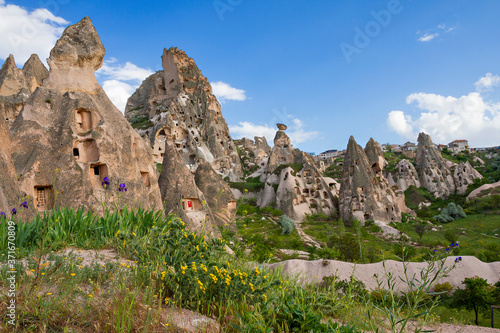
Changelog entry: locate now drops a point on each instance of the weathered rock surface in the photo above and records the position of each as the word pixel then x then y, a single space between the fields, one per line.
pixel 69 136
pixel 177 105
pixel 220 199
pixel 254 155
pixel 203 200
pixel 484 190
pixel 9 191
pixel 405 176
pixel 16 85
pixel 433 170
pixel 314 271
pixel 464 175
pixel 283 151
pixel 365 193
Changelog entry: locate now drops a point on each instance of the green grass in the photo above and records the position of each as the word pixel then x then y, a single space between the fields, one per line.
pixel 295 166
pixel 464 317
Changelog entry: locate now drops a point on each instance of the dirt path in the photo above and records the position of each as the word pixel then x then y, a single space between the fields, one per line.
pixel 306 238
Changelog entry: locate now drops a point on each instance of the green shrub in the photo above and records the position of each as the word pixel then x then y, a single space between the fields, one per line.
pixel 287 224
pixel 450 213
pixel 328 253
pixel 271 210
pixel 444 288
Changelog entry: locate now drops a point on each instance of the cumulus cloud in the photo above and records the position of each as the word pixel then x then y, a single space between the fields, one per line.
pixel 295 131
pixel 448 118
pixel 400 123
pixel 427 37
pixel 224 92
pixel 487 82
pixel 430 34
pixel 119 81
pixel 23 33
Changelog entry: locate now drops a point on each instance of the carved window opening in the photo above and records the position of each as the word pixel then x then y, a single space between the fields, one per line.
pixel 86 151
pixel 98 172
pixel 83 119
pixel 44 197
pixel 351 170
pixel 192 159
pixel 145 178
pixel 191 204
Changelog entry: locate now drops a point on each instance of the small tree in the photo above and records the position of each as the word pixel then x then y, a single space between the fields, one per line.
pixel 476 296
pixel 421 229
pixel 287 224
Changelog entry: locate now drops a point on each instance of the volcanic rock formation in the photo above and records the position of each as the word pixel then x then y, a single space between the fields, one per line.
pixel 69 138
pixel 9 192
pixel 176 105
pixel 292 183
pixel 365 193
pixel 16 85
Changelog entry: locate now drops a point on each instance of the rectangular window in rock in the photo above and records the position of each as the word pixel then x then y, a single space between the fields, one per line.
pixel 83 119
pixel 44 197
pixel 145 178
pixel 97 174
pixel 191 204
pixel 86 151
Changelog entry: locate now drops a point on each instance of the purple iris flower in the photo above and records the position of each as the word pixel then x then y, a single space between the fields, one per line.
pixel 447 250
pixel 3 215
pixel 122 188
pixel 435 250
pixel 105 181
pixel 25 204
pixel 14 211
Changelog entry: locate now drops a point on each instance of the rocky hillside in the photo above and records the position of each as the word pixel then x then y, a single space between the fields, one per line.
pixel 176 105
pixel 285 178
pixel 430 170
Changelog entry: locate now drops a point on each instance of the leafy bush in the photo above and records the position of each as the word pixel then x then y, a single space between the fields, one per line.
pixel 271 210
pixel 287 224
pixel 450 213
pixel 328 253
pixel 444 288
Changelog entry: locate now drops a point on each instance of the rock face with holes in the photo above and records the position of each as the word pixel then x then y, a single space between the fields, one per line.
pixel 405 176
pixel 9 191
pixel 16 85
pixel 433 170
pixel 464 175
pixel 254 155
pixel 176 105
pixel 69 136
pixel 365 193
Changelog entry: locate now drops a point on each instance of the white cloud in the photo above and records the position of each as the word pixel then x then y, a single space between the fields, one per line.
pixel 487 82
pixel 127 72
pixel 23 33
pixel 224 92
pixel 430 34
pixel 448 118
pixel 427 37
pixel 398 122
pixel 118 92
pixel 120 81
pixel 246 129
pixel 295 131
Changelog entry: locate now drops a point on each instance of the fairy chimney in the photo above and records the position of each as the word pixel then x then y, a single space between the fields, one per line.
pixel 69 140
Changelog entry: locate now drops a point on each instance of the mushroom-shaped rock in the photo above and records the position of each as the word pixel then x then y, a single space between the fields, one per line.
pixel 281 127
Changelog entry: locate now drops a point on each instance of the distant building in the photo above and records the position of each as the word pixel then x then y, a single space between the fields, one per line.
pixel 328 154
pixel 408 149
pixel 458 145
pixel 441 147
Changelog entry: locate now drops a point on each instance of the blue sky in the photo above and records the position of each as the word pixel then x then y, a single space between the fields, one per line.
pixel 327 69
